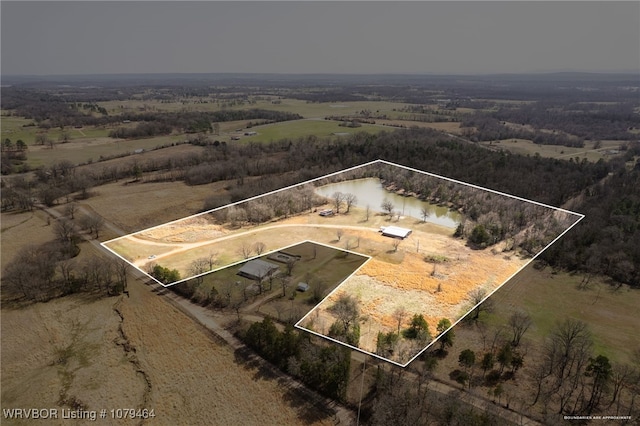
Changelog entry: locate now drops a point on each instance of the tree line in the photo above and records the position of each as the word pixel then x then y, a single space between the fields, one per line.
pixel 290 161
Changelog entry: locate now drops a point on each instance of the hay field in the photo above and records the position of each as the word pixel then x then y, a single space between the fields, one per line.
pixel 73 347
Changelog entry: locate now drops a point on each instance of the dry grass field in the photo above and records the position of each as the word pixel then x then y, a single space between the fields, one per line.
pixel 135 206
pixel 19 229
pixel 405 279
pixel 150 355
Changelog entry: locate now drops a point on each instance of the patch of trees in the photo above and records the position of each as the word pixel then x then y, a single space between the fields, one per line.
pixel 13 156
pixel 587 120
pixel 606 240
pixel 347 326
pixel 40 273
pixel 488 128
pixel 404 397
pixel 164 274
pixel 320 366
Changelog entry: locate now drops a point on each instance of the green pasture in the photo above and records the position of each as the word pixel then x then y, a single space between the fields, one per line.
pixel 301 128
pixel 549 298
pixel 87 151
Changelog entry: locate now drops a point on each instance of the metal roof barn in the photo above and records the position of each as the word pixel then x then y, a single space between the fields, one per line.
pixel 395 232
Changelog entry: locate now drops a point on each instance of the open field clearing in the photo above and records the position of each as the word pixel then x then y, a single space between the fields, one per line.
pixel 67 350
pixel 91 149
pixel 176 245
pixel 551 297
pixel 150 355
pixel 302 128
pixel 527 147
pixel 20 229
pixel 14 129
pixel 136 206
pixel 158 155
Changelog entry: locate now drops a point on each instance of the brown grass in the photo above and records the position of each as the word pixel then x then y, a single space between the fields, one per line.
pixel 20 229
pixel 193 379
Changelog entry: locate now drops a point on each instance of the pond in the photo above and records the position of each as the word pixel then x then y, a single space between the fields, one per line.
pixel 370 192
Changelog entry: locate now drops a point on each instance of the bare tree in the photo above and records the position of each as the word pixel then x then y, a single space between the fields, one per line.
pixel 396 242
pixel 212 259
pixel 290 264
pixel 339 233
pixel 519 321
pixel 338 199
pixel 65 231
pixel 477 296
pixel 70 210
pixel 259 247
pixel 424 213
pixel 245 250
pixel 350 199
pixel 93 223
pixel 367 213
pixel 346 309
pixel 121 267
pixel 399 315
pixel 388 207
pixel 285 281
pixel 198 267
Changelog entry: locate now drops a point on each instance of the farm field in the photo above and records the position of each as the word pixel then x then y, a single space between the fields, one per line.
pixel 91 149
pixel 527 147
pixel 296 106
pixel 301 128
pixel 136 206
pixel 82 349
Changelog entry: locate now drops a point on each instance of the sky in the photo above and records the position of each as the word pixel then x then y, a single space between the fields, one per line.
pixel 454 37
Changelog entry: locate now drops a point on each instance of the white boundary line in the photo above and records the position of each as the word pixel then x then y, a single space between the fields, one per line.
pixel 379 161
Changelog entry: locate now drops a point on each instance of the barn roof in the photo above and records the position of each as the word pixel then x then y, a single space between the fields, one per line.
pixel 396 231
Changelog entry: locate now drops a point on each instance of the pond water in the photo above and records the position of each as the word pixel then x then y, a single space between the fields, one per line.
pixel 370 192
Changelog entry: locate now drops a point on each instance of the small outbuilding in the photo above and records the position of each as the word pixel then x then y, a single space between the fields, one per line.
pixel 302 287
pixel 258 270
pixel 395 232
